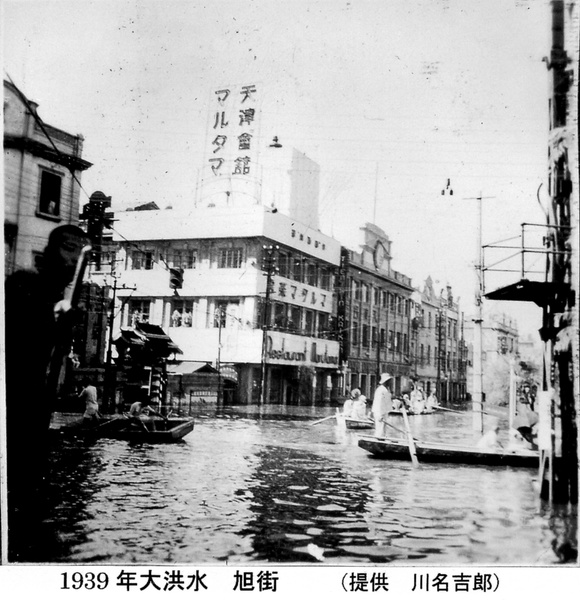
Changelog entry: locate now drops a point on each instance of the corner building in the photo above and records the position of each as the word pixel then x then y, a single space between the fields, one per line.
pixel 377 311
pixel 284 340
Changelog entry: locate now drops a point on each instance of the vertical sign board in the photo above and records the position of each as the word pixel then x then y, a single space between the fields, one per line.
pixel 232 142
pixel 342 306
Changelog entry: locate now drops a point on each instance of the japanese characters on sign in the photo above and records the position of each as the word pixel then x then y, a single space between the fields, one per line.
pixel 233 131
pixel 300 294
pixel 342 306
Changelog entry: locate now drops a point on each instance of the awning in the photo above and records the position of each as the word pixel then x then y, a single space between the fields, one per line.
pixel 189 367
pixel 541 292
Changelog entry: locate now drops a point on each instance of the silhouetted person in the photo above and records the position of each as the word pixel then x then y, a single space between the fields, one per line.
pixel 38 336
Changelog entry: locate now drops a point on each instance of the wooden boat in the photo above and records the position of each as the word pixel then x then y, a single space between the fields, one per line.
pixel 436 452
pixel 353 423
pixel 152 431
pixel 428 411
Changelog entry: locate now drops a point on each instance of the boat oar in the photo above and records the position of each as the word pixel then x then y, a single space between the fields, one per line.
pixel 461 412
pixel 322 420
pixel 412 449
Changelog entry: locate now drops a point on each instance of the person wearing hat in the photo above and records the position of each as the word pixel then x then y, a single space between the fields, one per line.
pixel 382 405
pixel 348 406
pixel 359 409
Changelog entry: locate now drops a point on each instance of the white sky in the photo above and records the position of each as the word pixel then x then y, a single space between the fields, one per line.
pixel 423 90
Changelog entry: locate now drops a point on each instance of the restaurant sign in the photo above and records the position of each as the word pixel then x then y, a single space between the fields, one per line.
pixel 297 350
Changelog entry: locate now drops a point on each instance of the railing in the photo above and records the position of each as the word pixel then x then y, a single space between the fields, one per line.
pixel 548 248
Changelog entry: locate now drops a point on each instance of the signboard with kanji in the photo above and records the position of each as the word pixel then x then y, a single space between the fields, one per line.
pixel 231 152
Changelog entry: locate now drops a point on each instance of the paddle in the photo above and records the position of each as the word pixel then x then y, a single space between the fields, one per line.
pixel 412 449
pixel 449 410
pixel 322 420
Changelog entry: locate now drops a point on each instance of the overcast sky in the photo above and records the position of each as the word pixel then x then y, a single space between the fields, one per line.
pixel 418 91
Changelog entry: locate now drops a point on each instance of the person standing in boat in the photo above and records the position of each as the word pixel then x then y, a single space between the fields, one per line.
pixel 417 400
pixel 382 405
pixel 347 407
pixel 89 395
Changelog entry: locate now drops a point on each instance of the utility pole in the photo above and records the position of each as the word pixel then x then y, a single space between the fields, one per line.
pixel 477 399
pixel 110 381
pixel 220 316
pixel 269 268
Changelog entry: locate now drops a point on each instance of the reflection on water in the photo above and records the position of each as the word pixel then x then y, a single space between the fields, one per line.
pixel 262 484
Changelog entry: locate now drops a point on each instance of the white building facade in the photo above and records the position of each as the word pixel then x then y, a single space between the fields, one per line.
pixel 283 343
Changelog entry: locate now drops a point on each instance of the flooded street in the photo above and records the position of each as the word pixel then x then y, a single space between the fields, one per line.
pixel 251 485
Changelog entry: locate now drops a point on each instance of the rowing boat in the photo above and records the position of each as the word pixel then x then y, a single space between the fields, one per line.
pixel 436 452
pixel 351 423
pixel 152 430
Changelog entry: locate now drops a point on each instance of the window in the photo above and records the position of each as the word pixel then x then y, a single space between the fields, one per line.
pixel 374 337
pixel 184 259
pixel 376 296
pixel 429 352
pixel 283 265
pixel 365 292
pixel 280 319
pixel 308 322
pixel 294 322
pixel 139 311
pixel 325 278
pixel 398 342
pixel 355 334
pixel 181 313
pixel 50 188
pixel 108 258
pixel 142 259
pixel 365 335
pixel 356 290
pixel 311 274
pixel 230 258
pixel 225 314
pixel 324 326
pixel 220 314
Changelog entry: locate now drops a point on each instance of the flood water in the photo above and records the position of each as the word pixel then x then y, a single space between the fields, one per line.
pixel 264 485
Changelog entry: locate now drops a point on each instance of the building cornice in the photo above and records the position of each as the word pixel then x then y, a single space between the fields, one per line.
pixel 26 144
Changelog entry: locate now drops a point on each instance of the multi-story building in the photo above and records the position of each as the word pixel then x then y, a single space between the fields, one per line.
pixel 441 353
pixel 252 293
pixel 375 315
pixel 42 168
pixel 500 351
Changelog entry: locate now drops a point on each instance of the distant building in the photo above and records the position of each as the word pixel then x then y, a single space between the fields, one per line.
pixel 441 352
pixel 500 349
pixel 375 315
pixel 220 261
pixel 42 166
